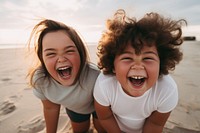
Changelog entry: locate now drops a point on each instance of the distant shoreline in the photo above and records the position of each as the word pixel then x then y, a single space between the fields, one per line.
pixel 18 45
pixel 10 46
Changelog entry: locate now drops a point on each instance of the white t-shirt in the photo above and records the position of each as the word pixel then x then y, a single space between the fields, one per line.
pixel 78 97
pixel 131 112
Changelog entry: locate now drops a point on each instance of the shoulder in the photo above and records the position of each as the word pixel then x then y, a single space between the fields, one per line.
pixel 90 71
pixel 105 89
pixel 102 78
pixel 89 75
pixel 106 82
pixel 166 85
pixel 166 93
pixel 40 79
pixel 166 81
pixel 93 69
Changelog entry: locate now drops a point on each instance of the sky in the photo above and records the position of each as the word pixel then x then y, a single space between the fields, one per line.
pixel 88 17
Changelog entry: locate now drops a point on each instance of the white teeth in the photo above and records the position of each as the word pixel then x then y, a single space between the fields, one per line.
pixel 62 68
pixel 137 77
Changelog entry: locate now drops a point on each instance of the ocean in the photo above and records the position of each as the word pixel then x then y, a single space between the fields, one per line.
pixel 7 46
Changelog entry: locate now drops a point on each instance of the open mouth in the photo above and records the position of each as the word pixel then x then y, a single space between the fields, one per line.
pixel 137 80
pixel 64 72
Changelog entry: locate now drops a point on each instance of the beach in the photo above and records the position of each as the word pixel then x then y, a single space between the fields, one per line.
pixel 21 111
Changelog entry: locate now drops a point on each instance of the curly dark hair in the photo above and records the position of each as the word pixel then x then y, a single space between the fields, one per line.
pixel 152 29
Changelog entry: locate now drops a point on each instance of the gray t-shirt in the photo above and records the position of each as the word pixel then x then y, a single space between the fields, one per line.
pixel 78 97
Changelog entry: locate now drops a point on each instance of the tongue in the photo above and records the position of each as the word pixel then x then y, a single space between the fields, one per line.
pixel 65 73
pixel 137 82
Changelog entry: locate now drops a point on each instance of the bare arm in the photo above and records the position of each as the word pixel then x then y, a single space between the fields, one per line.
pixel 51 115
pixel 106 118
pixel 155 122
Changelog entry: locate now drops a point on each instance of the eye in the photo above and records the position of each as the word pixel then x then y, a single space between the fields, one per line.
pixel 126 58
pixel 70 51
pixel 149 58
pixel 50 54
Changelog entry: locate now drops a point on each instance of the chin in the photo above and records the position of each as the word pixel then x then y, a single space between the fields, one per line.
pixel 66 82
pixel 137 92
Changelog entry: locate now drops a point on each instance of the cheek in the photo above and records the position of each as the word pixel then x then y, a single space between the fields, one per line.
pixel 153 73
pixel 49 64
pixel 75 59
pixel 121 71
pixel 118 68
pixel 76 62
pixel 154 69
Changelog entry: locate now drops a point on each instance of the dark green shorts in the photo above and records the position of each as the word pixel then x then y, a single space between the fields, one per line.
pixel 76 117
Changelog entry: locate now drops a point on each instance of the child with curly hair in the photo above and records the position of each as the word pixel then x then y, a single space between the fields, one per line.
pixel 135 93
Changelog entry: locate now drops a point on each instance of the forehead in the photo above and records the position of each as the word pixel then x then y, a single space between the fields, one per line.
pixel 139 49
pixel 57 38
pixel 55 35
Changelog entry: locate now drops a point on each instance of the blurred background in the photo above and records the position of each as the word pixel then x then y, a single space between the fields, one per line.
pixel 87 16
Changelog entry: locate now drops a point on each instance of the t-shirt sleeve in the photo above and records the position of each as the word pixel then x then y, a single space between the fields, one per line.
pixel 38 93
pixel 168 98
pixel 100 93
pixel 37 89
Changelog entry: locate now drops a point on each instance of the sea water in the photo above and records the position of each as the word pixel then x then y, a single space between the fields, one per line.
pixel 6 46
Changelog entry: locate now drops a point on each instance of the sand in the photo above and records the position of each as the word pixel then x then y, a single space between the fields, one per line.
pixel 21 111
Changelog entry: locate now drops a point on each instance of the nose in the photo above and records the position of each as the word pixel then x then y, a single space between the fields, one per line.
pixel 61 59
pixel 137 67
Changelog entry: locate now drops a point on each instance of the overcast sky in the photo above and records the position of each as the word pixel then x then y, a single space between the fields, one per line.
pixel 17 17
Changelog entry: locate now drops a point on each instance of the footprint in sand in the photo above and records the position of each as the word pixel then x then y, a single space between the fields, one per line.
pixel 35 125
pixel 5 79
pixel 6 107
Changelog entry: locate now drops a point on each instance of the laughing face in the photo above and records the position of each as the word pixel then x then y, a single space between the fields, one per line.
pixel 61 57
pixel 137 73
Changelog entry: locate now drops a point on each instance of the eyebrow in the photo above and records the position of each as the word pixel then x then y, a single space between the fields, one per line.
pixel 146 52
pixel 126 52
pixel 150 52
pixel 49 49
pixel 52 49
